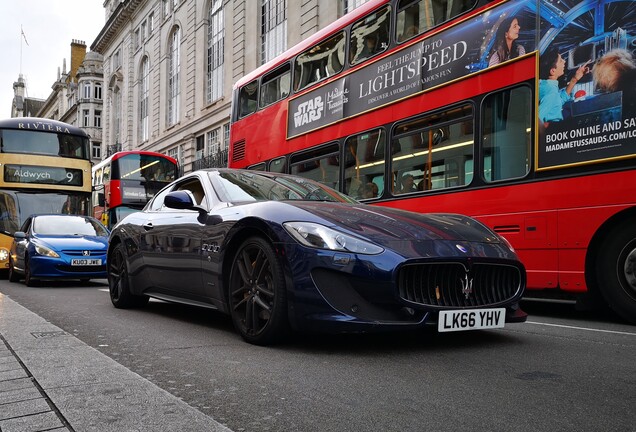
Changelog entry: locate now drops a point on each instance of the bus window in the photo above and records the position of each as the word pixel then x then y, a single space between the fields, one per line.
pixel 278 165
pixel 369 36
pixel 248 99
pixel 258 167
pixel 430 153
pixel 319 62
pixel 364 165
pixel 507 126
pixel 322 165
pixel 417 16
pixel 275 86
pixel 106 175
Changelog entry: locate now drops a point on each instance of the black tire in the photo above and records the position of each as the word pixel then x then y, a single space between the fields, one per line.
pixel 257 293
pixel 616 271
pixel 119 282
pixel 13 276
pixel 28 278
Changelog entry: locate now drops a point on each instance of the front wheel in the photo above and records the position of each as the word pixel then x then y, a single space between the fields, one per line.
pixel 28 278
pixel 616 271
pixel 257 293
pixel 119 283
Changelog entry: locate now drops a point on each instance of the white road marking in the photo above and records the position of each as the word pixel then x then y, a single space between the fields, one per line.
pixel 581 328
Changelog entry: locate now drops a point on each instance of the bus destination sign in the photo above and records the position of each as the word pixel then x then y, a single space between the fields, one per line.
pixel 43 175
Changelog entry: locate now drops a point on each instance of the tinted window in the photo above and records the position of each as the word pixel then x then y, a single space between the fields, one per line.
pixel 321 165
pixel 364 164
pixel 319 62
pixel 417 16
pixel 431 152
pixel 507 125
pixel 369 36
pixel 276 85
pixel 248 99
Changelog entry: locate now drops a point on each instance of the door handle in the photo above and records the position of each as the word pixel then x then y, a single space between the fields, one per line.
pixel 148 226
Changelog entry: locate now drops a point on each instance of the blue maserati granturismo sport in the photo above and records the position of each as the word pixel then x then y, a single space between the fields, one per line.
pixel 282 253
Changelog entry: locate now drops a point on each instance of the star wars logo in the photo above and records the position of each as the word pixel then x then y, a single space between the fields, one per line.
pixel 309 111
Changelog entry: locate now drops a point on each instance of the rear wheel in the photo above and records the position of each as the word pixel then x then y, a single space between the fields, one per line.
pixel 616 271
pixel 119 282
pixel 13 276
pixel 257 293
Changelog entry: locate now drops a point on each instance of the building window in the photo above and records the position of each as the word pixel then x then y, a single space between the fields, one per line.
pixel 273 29
pixel 98 91
pixel 213 141
pixel 200 147
pixel 116 116
pixel 166 8
pixel 173 77
pixel 216 42
pixel 98 118
pixel 142 32
pixel 151 23
pixel 96 150
pixel 87 90
pixel 226 136
pixel 116 60
pixel 87 118
pixel 349 5
pixel 175 153
pixel 144 88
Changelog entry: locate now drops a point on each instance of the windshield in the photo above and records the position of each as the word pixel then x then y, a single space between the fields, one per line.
pixel 16 206
pixel 44 143
pixel 241 186
pixel 141 167
pixel 68 225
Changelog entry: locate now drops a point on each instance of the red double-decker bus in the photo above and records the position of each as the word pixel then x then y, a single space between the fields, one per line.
pixel 519 113
pixel 125 181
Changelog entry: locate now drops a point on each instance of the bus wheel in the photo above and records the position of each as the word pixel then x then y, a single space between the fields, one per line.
pixel 13 276
pixel 257 296
pixel 616 271
pixel 119 283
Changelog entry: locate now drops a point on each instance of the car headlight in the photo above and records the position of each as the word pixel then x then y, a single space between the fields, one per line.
pixel 43 250
pixel 321 237
pixel 4 254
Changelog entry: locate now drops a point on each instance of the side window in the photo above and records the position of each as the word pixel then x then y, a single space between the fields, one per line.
pixel 278 165
pixel 433 152
pixel 417 16
pixel 507 125
pixel 197 190
pixel 370 36
pixel 321 164
pixel 157 202
pixel 319 62
pixel 364 165
pixel 275 86
pixel 248 99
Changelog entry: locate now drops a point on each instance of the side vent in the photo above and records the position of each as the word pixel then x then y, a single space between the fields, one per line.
pixel 238 152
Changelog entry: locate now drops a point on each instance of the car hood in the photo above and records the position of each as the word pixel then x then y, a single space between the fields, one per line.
pixel 79 242
pixel 409 233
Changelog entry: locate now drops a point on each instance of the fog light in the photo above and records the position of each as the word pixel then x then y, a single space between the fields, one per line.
pixel 4 254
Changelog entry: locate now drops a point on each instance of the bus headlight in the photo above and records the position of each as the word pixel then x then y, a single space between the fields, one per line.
pixel 4 254
pixel 43 250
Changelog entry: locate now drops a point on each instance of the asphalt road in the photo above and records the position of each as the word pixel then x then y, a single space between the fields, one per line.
pixel 560 371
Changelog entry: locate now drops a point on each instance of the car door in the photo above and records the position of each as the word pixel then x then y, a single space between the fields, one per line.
pixel 171 246
pixel 20 246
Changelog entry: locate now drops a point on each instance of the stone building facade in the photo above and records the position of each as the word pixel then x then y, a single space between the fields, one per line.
pixel 169 66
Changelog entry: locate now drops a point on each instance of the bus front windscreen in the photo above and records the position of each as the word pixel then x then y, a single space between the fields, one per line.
pixel 44 143
pixel 16 206
pixel 144 168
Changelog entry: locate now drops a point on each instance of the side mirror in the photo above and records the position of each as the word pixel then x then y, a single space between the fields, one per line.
pixel 180 200
pixel 19 235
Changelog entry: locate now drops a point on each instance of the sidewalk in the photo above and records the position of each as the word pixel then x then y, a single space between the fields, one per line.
pixel 52 381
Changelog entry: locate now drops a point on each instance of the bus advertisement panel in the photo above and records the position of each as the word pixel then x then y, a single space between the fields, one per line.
pixel 45 169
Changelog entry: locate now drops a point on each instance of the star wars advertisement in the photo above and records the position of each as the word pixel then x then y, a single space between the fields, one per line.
pixel 464 49
pixel 587 81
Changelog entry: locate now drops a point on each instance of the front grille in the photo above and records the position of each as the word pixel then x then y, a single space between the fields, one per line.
pixel 455 285
pixel 80 253
pixel 81 269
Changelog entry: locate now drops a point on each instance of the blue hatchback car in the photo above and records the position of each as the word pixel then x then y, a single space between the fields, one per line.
pixel 59 246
